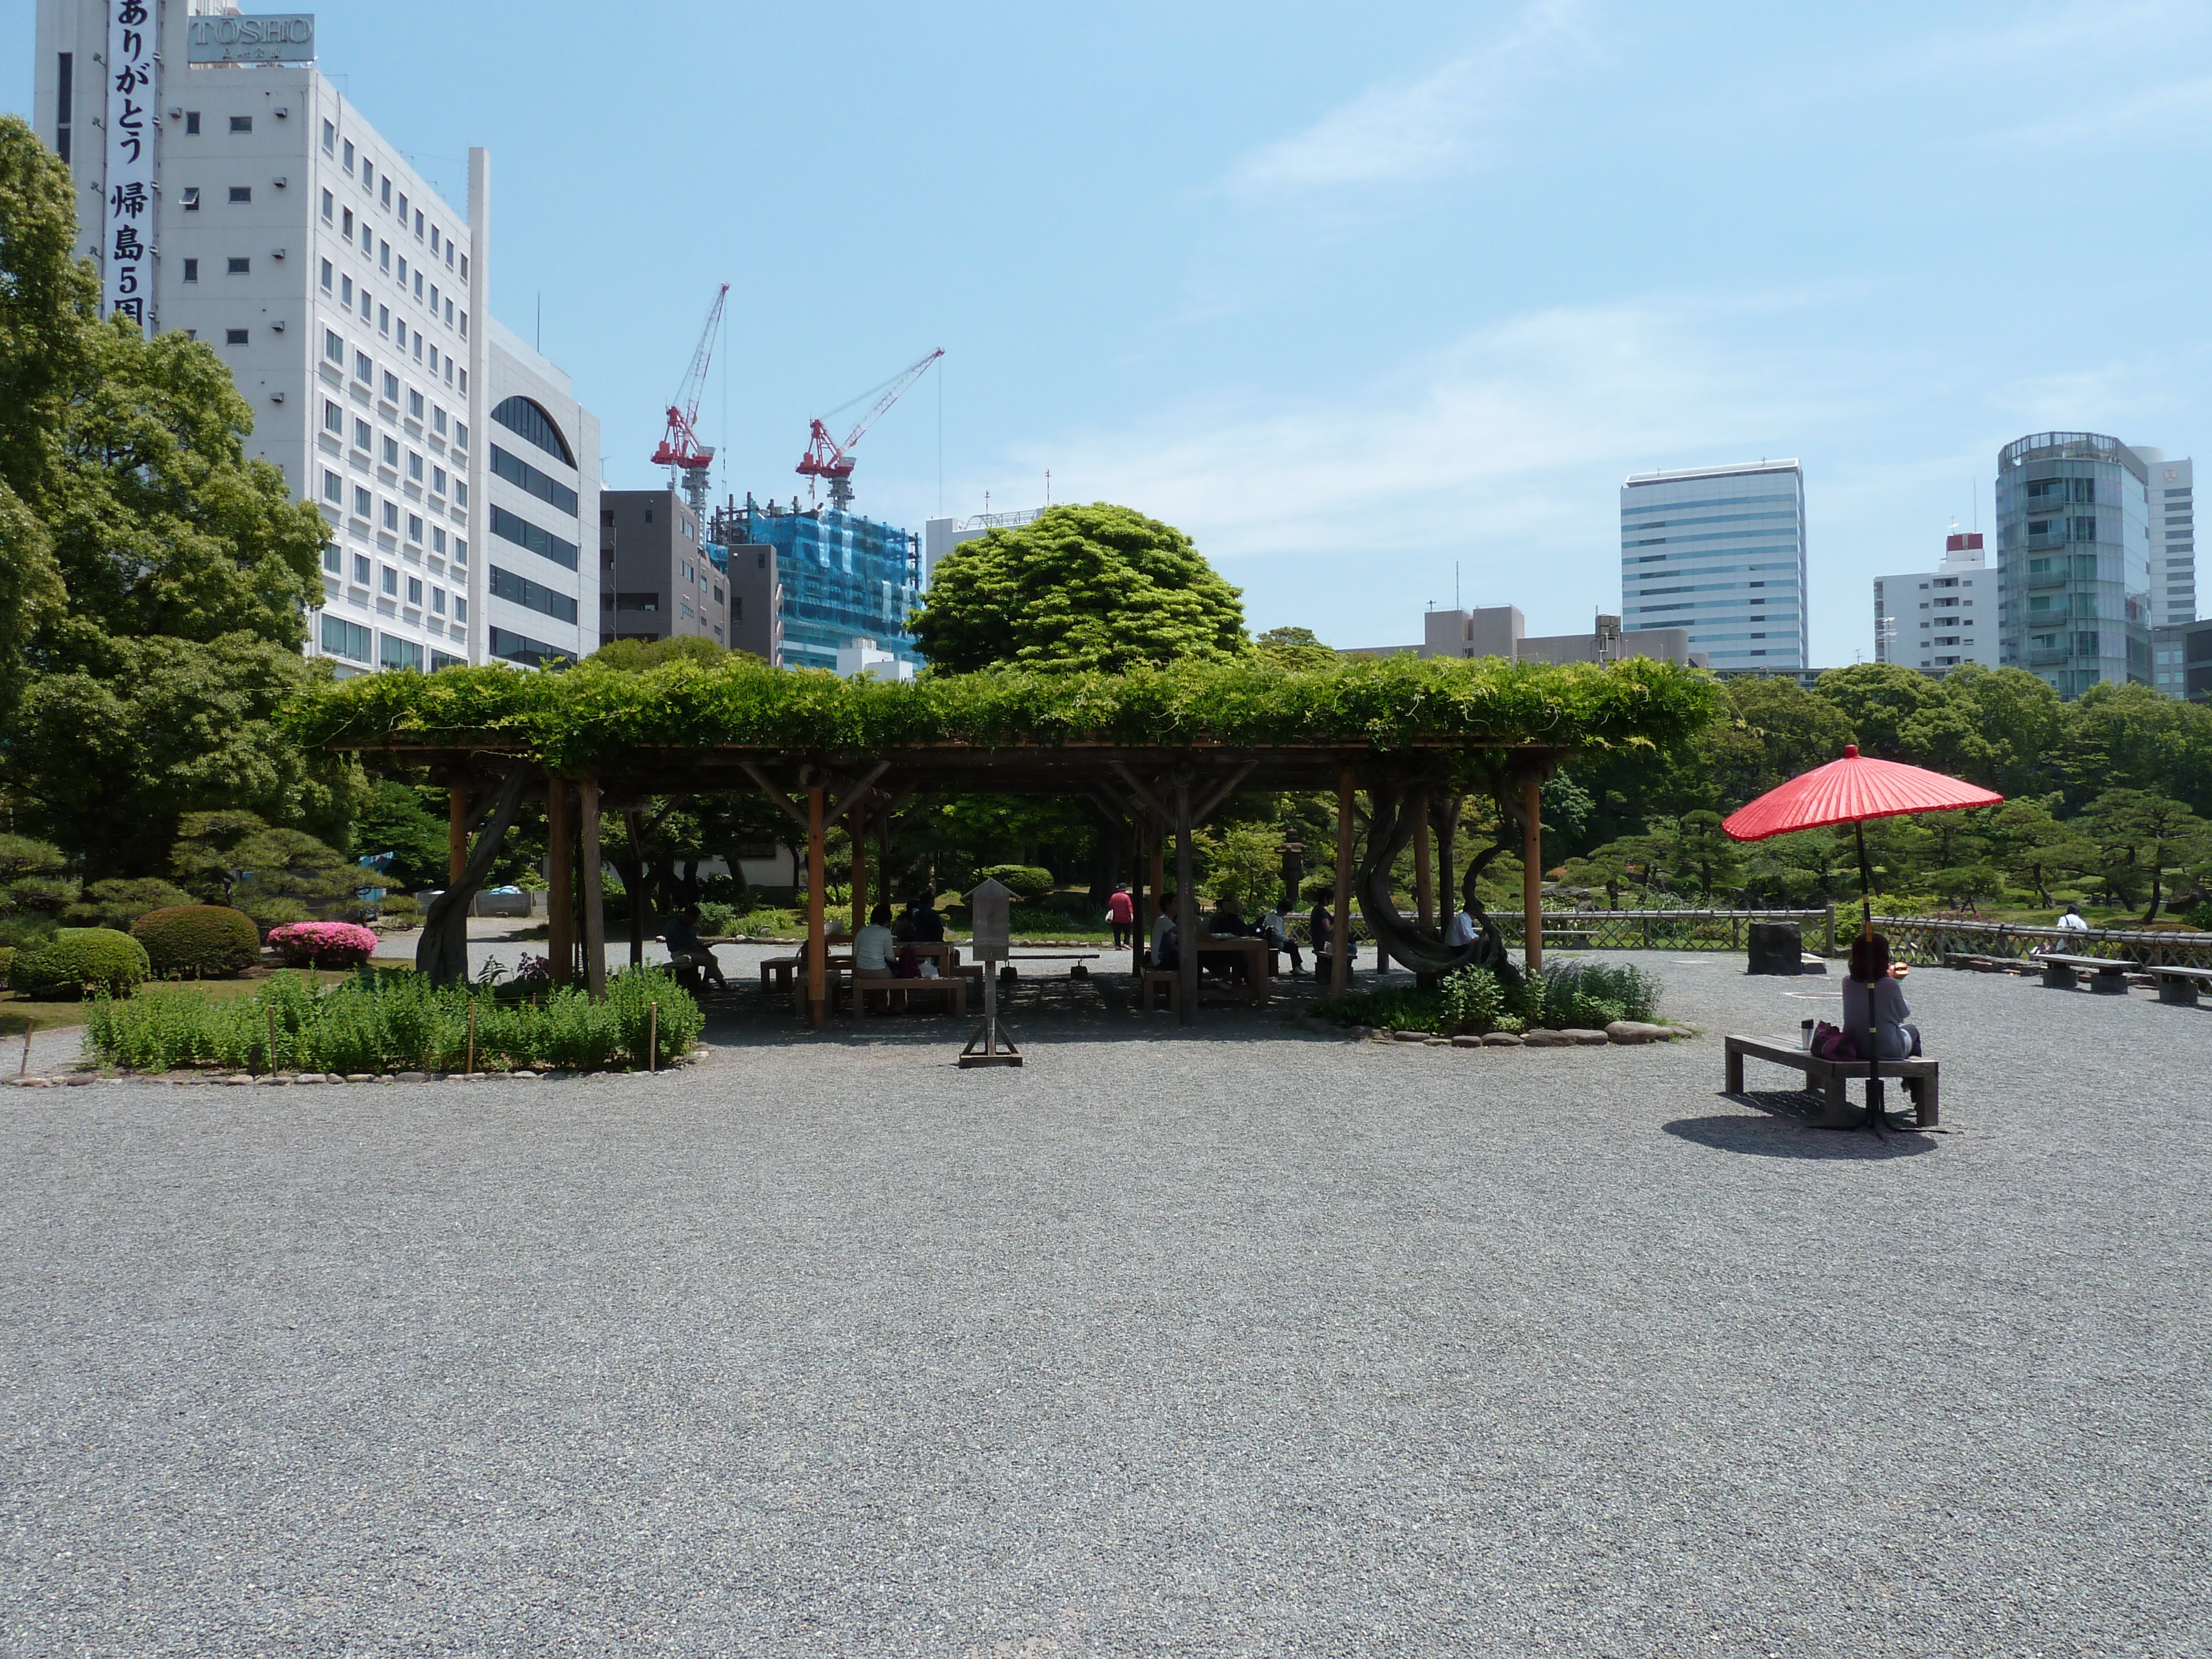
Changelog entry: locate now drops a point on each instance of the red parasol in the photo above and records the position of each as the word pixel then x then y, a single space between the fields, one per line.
pixel 1851 791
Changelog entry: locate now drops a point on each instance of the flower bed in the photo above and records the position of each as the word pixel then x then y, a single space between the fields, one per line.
pixel 322 943
pixel 397 1021
pixel 1570 996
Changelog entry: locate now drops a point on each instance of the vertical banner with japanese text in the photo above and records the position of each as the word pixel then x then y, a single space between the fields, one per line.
pixel 127 256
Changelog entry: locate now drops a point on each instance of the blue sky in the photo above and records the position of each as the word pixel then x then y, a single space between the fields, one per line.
pixel 1350 294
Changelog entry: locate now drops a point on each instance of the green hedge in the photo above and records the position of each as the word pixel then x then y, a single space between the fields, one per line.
pixel 397 1021
pixel 1570 995
pixel 199 941
pixel 80 959
pixel 1027 882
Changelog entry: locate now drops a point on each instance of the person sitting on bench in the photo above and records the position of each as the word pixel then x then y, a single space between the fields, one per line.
pixel 1167 952
pixel 1873 977
pixel 872 946
pixel 687 949
pixel 921 923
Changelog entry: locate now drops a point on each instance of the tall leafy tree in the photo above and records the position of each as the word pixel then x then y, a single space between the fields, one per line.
pixel 2146 836
pixel 150 674
pixel 1080 587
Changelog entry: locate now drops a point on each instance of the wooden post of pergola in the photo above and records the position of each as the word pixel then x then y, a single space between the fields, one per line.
pixel 1425 890
pixel 456 834
pixel 1187 917
pixel 561 882
pixel 1532 876
pixel 1140 930
pixel 1339 962
pixel 818 981
pixel 630 817
pixel 856 826
pixel 593 883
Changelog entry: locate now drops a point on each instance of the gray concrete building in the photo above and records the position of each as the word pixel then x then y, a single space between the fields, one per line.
pixel 2181 661
pixel 756 602
pixel 1934 620
pixel 656 580
pixel 1500 630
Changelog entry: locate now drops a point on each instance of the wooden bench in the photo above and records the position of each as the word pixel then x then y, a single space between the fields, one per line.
pixel 1158 979
pixel 2109 977
pixel 2179 985
pixel 1829 1076
pixel 951 989
pixel 780 968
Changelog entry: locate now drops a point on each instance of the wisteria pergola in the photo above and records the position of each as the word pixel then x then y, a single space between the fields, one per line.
pixel 1156 753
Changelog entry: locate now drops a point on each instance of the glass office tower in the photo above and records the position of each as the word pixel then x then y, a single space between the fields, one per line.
pixel 2074 560
pixel 1721 551
pixel 843 577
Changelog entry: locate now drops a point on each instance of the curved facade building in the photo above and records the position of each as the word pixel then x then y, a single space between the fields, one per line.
pixel 2074 560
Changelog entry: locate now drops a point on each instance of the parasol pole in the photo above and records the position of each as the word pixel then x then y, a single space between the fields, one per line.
pixel 1866 932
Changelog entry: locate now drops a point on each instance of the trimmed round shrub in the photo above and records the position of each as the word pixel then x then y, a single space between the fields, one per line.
pixel 323 944
pixel 203 941
pixel 1027 882
pixel 81 959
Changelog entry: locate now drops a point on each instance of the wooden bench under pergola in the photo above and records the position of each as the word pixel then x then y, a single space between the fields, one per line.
pixel 1155 754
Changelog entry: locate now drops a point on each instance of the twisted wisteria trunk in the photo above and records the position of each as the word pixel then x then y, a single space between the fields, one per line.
pixel 442 957
pixel 1391 824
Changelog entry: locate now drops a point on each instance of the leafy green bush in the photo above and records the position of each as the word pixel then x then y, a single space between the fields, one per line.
pixel 199 941
pixel 1582 995
pixel 1027 882
pixel 2201 917
pixel 717 919
pixel 1591 995
pixel 1474 1000
pixel 395 1021
pixel 81 959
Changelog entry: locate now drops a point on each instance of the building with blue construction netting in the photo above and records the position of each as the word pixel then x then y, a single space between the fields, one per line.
pixel 842 577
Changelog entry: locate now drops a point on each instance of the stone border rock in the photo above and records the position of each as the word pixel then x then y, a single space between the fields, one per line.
pixel 1624 1033
pixel 90 1072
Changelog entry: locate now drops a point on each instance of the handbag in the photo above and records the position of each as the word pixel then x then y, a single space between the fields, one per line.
pixel 1832 1043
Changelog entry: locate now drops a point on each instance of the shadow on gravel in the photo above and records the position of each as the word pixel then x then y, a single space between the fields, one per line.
pixel 1780 1130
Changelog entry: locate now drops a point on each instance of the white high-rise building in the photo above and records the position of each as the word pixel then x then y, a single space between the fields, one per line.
pixel 1721 551
pixel 1934 620
pixel 2173 538
pixel 227 189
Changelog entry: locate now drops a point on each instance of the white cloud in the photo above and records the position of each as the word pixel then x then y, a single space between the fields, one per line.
pixel 1427 128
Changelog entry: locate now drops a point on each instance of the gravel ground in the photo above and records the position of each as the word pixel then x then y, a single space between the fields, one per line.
pixel 1244 1342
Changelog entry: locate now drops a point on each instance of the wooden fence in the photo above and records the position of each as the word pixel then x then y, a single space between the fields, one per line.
pixel 1928 939
pixel 1671 930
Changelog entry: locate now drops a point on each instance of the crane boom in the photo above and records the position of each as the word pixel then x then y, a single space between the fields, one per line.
pixel 680 448
pixel 828 459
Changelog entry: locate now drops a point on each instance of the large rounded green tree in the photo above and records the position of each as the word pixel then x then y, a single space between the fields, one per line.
pixel 1080 587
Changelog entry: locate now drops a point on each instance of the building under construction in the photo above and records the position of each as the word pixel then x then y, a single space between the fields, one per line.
pixel 839 577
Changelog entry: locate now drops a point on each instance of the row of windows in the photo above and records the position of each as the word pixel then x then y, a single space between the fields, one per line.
pixel 377 189
pixel 367 441
pixel 524 534
pixel 533 596
pixel 442 305
pixel 396 329
pixel 390 516
pixel 365 373
pixel 238 123
pixel 510 647
pixel 524 476
pixel 389 580
pixel 238 264
pixel 1640 503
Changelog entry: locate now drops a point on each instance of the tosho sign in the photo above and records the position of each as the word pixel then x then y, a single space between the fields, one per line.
pixel 127 229
pixel 232 38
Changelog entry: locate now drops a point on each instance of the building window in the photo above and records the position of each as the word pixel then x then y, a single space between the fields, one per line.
pixel 464 274
pixel 527 421
pixel 242 124
pixel 191 271
pixel 391 515
pixel 343 639
pixel 346 230
pixel 367 174
pixel 239 267
pixel 465 325
pixel 191 199
pixel 535 596
pixel 414 404
pixel 524 476
pixel 392 453
pixel 391 387
pixel 333 418
pixel 437 601
pixel 233 336
pixel 414 590
pixel 437 480
pixel 510 647
pixel 418 345
pixel 360 569
pixel 363 439
pixel 333 348
pixel 460 494
pixel 401 653
pixel 384 256
pixel 330 138
pixel 437 539
pixel 361 507
pixel 390 582
pixel 419 226
pixel 523 533
pixel 461 435
pixel 438 420
pixel 460 608
pixel 193 123
pixel 334 492
pixel 460 550
pixel 241 192
pixel 415 466
pixel 384 321
pixel 415 528
pixel 385 190
pixel 364 369
pixel 333 561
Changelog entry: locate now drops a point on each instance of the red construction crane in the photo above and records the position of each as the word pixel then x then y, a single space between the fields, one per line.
pixel 680 448
pixel 832 462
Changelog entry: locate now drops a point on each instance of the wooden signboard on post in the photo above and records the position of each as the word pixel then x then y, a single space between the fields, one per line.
pixel 990 916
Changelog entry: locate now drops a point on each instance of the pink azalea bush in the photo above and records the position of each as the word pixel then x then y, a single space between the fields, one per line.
pixel 322 943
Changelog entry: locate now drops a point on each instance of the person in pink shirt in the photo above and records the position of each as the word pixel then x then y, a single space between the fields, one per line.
pixel 1121 912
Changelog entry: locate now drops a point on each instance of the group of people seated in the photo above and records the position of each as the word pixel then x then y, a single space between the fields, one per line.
pixel 1226 921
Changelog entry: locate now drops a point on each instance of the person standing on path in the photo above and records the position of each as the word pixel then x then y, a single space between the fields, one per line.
pixel 1121 912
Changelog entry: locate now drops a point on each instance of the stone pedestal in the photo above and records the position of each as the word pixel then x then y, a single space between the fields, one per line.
pixel 1777 947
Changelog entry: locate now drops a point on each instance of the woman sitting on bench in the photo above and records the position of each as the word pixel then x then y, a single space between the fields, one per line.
pixel 1873 975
